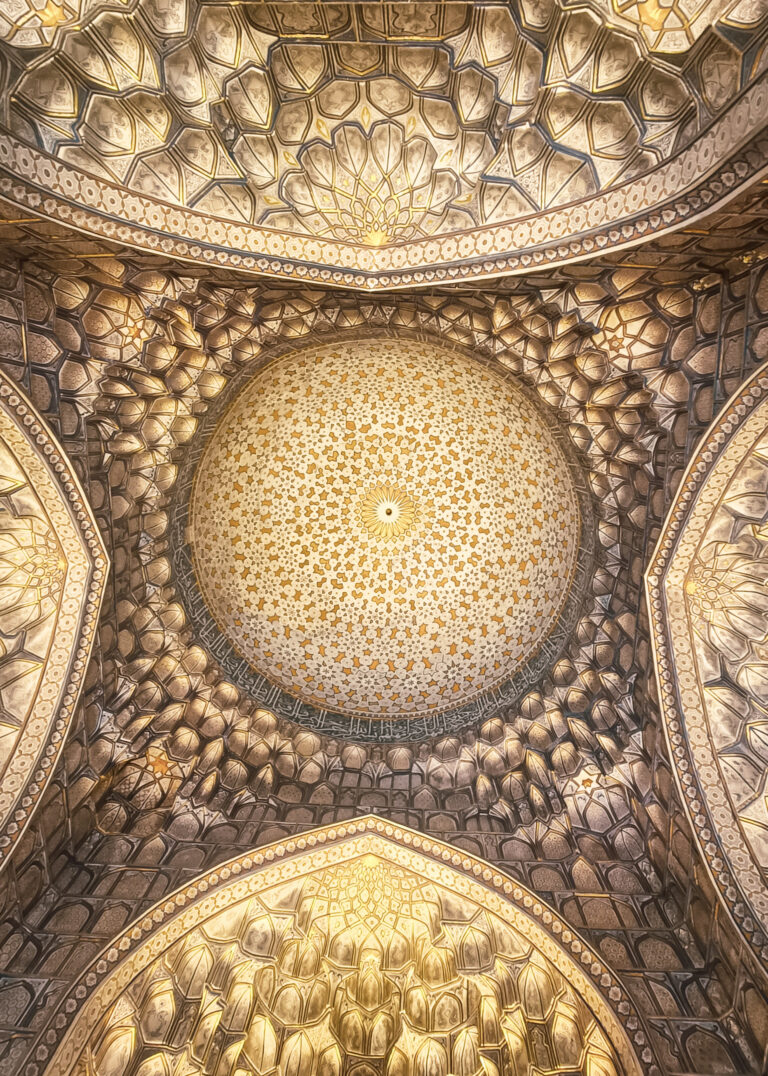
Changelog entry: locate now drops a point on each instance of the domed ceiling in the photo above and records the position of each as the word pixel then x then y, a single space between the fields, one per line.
pixel 377 535
pixel 385 528
pixel 294 138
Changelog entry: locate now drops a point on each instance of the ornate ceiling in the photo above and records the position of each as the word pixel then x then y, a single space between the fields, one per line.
pixel 386 529
pixel 354 361
pixel 179 759
pixel 52 576
pixel 297 137
pixel 707 586
pixel 372 956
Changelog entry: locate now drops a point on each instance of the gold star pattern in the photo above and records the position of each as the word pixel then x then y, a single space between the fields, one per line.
pixel 384 527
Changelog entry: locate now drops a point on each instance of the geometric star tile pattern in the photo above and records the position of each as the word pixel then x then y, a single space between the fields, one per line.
pixel 384 527
pixel 173 765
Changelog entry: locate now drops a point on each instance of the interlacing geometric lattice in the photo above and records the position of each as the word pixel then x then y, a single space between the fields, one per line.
pixel 371 127
pixel 172 766
pixel 52 573
pixel 385 604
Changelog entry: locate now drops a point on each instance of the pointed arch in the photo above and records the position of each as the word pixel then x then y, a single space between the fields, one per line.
pixel 53 570
pixel 554 995
pixel 707 588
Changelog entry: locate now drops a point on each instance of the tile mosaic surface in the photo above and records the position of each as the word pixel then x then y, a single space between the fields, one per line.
pixel 383 527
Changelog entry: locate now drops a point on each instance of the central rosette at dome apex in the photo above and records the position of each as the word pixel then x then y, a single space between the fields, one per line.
pixel 387 512
pixel 383 527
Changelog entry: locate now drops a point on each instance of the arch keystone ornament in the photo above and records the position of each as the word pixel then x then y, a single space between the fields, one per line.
pixel 707 587
pixel 362 944
pixel 53 569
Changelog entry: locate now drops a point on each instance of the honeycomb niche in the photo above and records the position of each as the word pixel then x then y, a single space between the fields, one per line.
pixel 361 949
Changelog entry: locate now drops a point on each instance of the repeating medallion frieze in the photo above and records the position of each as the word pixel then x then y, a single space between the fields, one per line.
pixel 52 575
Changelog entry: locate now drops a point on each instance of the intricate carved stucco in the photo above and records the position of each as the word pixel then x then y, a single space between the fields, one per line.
pixel 708 590
pixel 173 767
pixel 372 146
pixel 152 483
pixel 360 948
pixel 672 28
pixel 52 575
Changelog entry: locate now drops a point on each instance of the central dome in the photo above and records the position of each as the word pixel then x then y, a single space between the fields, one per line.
pixel 383 528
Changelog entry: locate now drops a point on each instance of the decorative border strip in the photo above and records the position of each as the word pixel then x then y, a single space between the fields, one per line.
pixel 677 191
pixel 60 1045
pixel 735 874
pixel 32 774
pixel 362 728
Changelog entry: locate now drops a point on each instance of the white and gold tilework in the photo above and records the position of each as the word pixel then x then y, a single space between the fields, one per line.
pixel 383 527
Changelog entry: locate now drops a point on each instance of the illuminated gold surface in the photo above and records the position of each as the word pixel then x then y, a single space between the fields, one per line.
pixel 52 571
pixel 708 584
pixel 359 954
pixel 436 138
pixel 387 512
pixel 349 607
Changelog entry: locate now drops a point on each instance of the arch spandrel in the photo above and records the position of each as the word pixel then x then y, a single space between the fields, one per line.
pixel 708 592
pixel 360 944
pixel 52 574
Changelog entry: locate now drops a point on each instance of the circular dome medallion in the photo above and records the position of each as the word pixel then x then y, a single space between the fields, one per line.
pixel 385 529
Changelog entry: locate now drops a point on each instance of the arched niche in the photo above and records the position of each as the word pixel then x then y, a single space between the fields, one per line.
pixel 53 569
pixel 360 948
pixel 707 588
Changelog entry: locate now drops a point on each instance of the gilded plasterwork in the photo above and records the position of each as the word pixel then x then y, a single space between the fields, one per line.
pixel 480 127
pixel 387 512
pixel 376 141
pixel 674 26
pixel 670 28
pixel 418 593
pixel 708 586
pixel 174 765
pixel 362 948
pixel 52 573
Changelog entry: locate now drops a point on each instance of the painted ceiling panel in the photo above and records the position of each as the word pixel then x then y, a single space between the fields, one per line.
pixel 368 773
